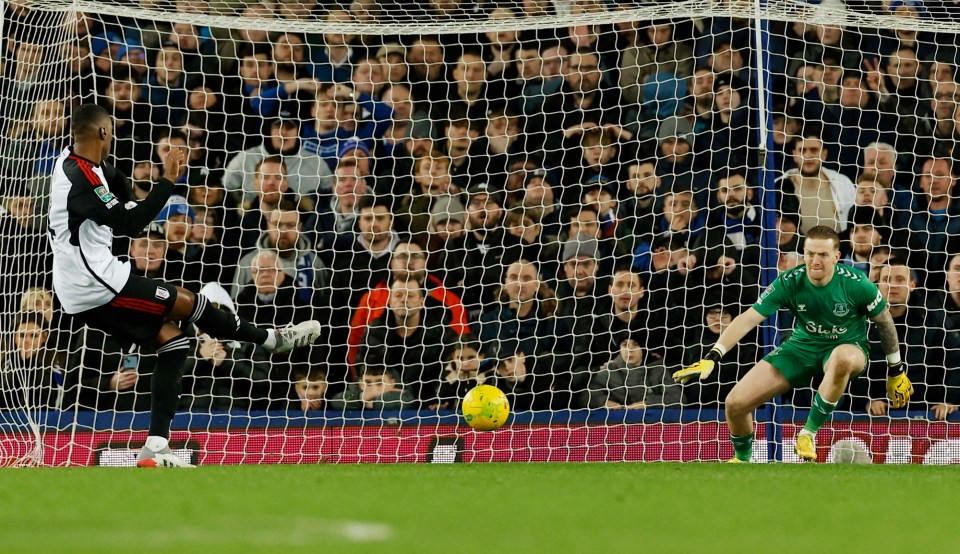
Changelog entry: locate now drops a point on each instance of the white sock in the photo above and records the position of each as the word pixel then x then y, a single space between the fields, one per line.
pixel 805 432
pixel 156 443
pixel 271 341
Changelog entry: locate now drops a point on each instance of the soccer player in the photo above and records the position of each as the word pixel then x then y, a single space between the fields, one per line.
pixel 90 201
pixel 831 303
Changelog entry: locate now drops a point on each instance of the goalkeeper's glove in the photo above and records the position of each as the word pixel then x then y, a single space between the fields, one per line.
pixel 899 387
pixel 701 369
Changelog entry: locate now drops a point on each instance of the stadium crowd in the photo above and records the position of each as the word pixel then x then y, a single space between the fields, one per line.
pixel 570 214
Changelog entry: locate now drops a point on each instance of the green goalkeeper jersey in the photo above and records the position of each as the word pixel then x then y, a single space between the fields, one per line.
pixel 835 313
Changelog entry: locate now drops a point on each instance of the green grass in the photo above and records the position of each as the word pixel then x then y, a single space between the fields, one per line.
pixel 486 508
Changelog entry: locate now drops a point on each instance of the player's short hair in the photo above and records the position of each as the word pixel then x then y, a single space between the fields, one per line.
pixel 822 232
pixel 87 118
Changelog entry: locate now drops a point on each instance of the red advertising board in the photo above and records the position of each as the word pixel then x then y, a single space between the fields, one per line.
pixel 897 442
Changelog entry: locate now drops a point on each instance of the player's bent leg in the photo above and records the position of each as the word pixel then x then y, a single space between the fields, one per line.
pixel 165 384
pixel 759 385
pixel 221 324
pixel 845 361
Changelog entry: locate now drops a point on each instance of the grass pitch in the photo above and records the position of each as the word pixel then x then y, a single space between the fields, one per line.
pixel 483 508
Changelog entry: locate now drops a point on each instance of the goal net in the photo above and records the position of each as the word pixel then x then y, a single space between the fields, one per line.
pixel 566 199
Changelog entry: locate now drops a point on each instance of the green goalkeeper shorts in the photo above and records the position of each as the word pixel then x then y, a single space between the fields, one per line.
pixel 801 362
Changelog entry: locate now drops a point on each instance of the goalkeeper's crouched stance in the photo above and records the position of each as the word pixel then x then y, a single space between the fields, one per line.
pixel 831 303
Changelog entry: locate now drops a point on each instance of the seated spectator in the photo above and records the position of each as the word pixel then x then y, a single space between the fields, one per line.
pixel 256 74
pixel 393 66
pixel 334 60
pixel 932 226
pixel 427 72
pixel 534 245
pixel 906 95
pixel 581 298
pixel 856 121
pixel 952 289
pixel 523 321
pixel 925 344
pixel 294 88
pixel 271 300
pixel 306 173
pixel 355 152
pixel 27 260
pixel 533 94
pixel 408 261
pixel 298 258
pixel 653 51
pixel 39 146
pixel 114 376
pixel 734 224
pixel 867 234
pixel 469 89
pixel 413 334
pixel 378 390
pixel 471 158
pixel 682 223
pixel 503 133
pixel 487 248
pixel 712 391
pixel 218 376
pixel 447 219
pixel 168 88
pixel 539 201
pixel 311 389
pixel 271 187
pixel 821 196
pixel 463 371
pixel 600 194
pixel 627 314
pixel 636 212
pixel 33 373
pixel 148 256
pixel 362 258
pixel 590 153
pixel 631 382
pixel 338 216
pixel 123 96
pixel 510 374
pixel 167 139
pixel 339 114
pixel 432 183
pixel 871 194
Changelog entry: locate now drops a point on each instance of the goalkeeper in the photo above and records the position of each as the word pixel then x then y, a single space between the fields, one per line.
pixel 90 201
pixel 831 303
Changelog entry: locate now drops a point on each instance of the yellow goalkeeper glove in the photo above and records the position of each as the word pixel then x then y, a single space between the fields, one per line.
pixel 700 370
pixel 899 387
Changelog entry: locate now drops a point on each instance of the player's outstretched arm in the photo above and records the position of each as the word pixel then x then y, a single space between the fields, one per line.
pixel 740 326
pixel 899 387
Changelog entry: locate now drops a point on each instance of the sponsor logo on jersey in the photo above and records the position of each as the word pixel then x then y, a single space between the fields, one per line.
pixel 875 303
pixel 162 293
pixel 833 332
pixel 841 309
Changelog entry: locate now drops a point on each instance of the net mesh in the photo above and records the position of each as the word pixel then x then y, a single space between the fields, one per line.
pixel 568 200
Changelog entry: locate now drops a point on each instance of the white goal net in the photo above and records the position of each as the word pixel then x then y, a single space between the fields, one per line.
pixel 567 199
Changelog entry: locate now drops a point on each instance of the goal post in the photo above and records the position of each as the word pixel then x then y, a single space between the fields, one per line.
pixel 565 199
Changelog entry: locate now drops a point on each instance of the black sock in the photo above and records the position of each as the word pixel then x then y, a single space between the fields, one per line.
pixel 165 385
pixel 221 324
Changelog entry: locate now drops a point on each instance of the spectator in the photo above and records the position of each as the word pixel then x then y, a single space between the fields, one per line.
pixel 33 373
pixel 821 196
pixel 218 377
pixel 905 95
pixel 426 72
pixel 168 89
pixel 681 222
pixel 952 301
pixel 25 257
pixel 868 233
pixel 38 147
pixel 586 98
pixel 712 391
pixel 167 139
pixel 854 122
pixel 510 374
pixel 726 139
pixel 734 225
pixel 631 382
pixel 271 187
pixel 132 130
pixel 408 261
pixel 306 173
pixel 339 114
pixel 932 224
pixel 413 334
pixel 871 194
pixel 462 372
pixel 271 299
pixel 580 299
pixel 256 75
pixel 334 61
pixel 298 259
pixel 503 133
pixel 925 345
pixel 500 47
pixel 653 51
pixel 378 391
pixel 487 248
pixel 148 256
pixel 311 389
pixel 339 215
pixel 393 67
pixel 533 94
pixel 470 88
pixel 471 158
pixel 597 155
pixel 523 322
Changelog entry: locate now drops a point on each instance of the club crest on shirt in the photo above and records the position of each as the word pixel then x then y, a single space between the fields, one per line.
pixel 841 309
pixel 162 293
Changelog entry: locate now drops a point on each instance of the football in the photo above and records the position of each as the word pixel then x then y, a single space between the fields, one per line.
pixel 485 408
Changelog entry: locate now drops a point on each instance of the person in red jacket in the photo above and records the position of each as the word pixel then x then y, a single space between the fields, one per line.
pixel 408 259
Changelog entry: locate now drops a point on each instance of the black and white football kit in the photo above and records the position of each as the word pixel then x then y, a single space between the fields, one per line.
pixel 89 203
